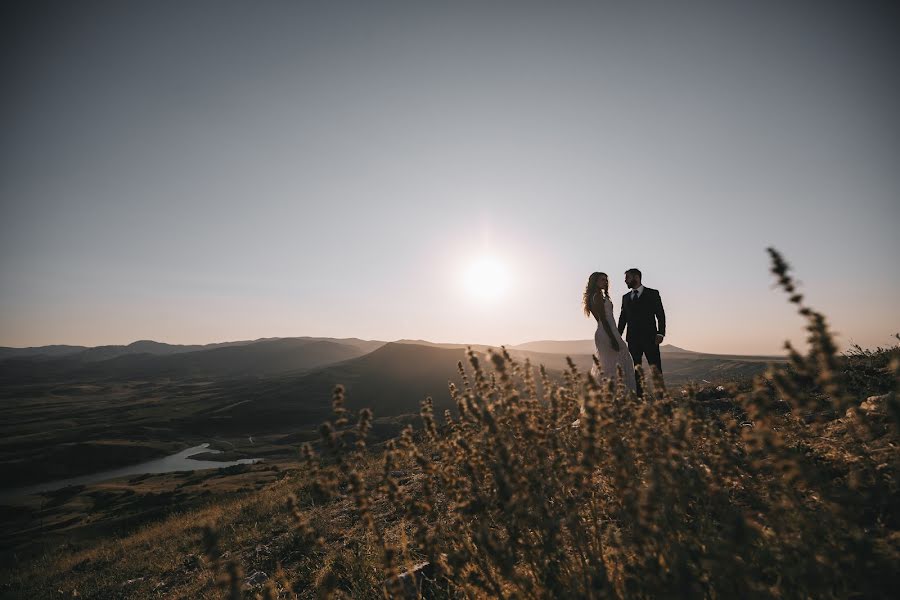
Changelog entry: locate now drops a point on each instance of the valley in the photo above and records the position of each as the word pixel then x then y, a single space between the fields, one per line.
pixel 75 414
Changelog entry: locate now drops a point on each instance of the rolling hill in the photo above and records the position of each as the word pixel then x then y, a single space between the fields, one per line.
pixel 47 351
pixel 261 358
pixel 392 381
pixel 98 353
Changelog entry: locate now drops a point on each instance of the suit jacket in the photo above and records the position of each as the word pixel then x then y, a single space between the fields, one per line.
pixel 644 317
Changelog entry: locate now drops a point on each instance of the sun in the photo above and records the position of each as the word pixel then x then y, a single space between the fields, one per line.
pixel 486 278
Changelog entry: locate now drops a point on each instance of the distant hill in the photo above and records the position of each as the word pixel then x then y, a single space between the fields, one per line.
pixel 365 346
pixel 145 347
pixel 58 350
pixel 264 358
pixel 98 353
pixel 446 346
pixel 392 380
pixel 577 347
pixel 86 353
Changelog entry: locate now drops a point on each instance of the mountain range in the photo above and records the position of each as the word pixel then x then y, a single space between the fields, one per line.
pixel 147 359
pixel 87 353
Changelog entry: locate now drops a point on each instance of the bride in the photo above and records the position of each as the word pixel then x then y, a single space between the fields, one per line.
pixel 611 348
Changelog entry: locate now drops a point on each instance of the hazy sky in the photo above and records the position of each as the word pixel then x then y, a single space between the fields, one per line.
pixel 193 172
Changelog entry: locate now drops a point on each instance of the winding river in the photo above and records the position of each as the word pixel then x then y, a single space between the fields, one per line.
pixel 181 461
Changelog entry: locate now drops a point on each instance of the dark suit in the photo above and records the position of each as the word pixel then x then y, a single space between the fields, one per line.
pixel 645 318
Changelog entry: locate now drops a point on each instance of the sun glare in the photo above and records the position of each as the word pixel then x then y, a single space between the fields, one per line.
pixel 487 278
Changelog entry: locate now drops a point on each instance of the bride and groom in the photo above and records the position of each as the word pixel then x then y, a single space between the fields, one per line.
pixel 641 313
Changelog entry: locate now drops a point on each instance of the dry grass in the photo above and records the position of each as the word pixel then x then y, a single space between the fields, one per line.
pixel 789 490
pixel 651 497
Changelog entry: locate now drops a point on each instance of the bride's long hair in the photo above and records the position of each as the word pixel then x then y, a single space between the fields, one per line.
pixel 589 290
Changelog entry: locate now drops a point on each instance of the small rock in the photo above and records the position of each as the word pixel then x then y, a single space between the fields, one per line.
pixel 256 578
pixel 875 404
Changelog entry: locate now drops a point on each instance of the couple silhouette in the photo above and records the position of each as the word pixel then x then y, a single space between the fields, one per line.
pixel 641 314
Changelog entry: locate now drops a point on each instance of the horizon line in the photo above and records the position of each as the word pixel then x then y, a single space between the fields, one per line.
pixel 398 340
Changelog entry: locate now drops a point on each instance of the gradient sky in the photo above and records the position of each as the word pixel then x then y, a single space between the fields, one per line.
pixel 193 172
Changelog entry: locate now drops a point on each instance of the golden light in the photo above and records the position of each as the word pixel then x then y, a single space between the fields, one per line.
pixel 487 278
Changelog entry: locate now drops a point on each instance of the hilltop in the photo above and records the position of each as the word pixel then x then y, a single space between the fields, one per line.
pixel 783 484
pixel 285 526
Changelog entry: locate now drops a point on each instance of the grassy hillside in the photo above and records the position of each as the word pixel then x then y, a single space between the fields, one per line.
pixel 783 487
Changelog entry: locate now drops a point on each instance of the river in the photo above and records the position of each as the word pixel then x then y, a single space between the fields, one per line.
pixel 181 461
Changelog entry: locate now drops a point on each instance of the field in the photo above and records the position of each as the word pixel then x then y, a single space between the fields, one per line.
pixel 740 478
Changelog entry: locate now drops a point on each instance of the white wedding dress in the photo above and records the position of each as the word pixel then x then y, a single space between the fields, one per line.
pixel 610 359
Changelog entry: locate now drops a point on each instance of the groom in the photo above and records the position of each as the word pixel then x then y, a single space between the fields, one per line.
pixel 642 312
